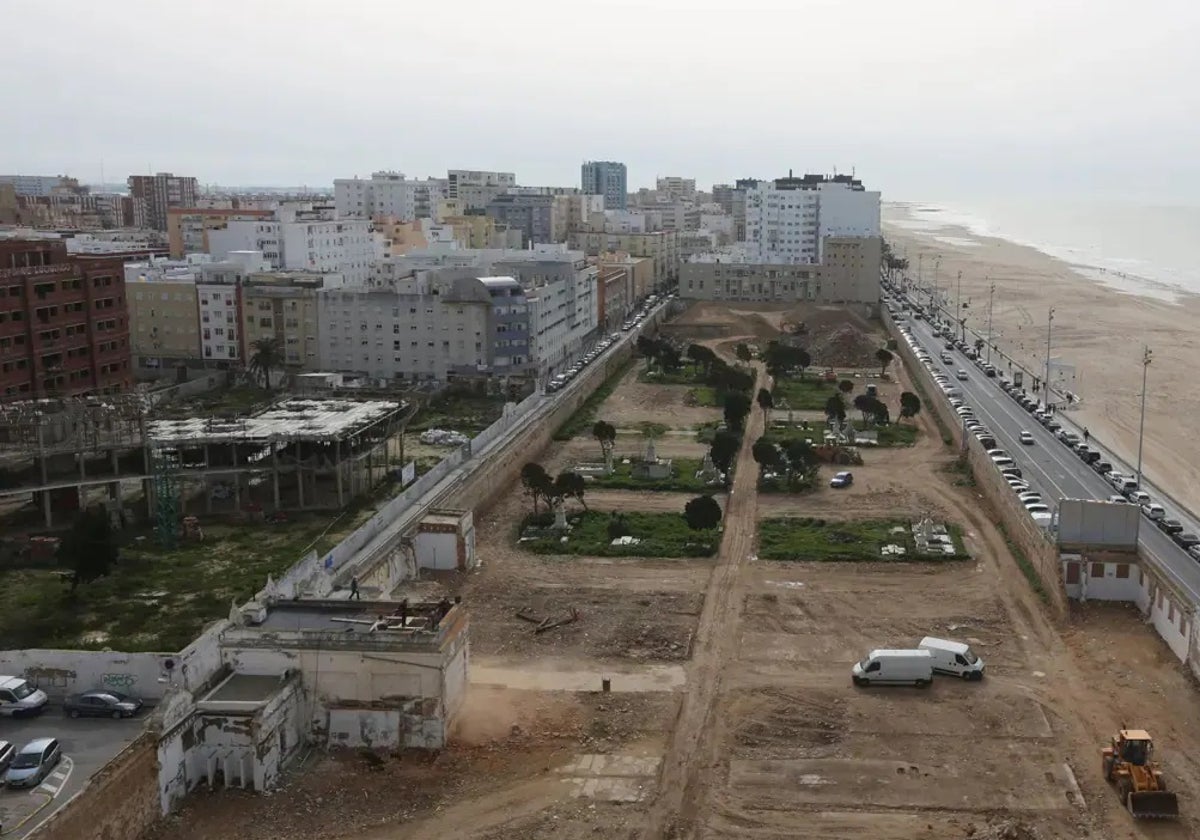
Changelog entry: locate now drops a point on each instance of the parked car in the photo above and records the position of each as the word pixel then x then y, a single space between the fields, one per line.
pixel 1037 507
pixel 1154 511
pixel 7 753
pixel 842 479
pixel 1027 438
pixel 1186 539
pixel 1170 526
pixel 1138 497
pixel 1011 472
pixel 1102 467
pixel 33 763
pixel 1029 496
pixel 1118 500
pixel 102 703
pixel 894 667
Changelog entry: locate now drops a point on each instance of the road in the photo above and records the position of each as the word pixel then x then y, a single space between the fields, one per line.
pixel 1052 468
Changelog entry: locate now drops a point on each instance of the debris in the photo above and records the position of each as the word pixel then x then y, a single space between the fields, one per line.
pixel 550 625
pixel 443 437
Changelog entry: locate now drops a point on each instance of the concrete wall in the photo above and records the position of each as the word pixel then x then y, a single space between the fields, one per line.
pixel 1088 577
pixel 118 803
pixel 63 672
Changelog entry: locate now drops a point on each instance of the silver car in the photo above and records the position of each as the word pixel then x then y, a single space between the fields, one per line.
pixel 33 763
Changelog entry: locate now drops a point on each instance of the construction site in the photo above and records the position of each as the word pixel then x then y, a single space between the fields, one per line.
pixel 299 454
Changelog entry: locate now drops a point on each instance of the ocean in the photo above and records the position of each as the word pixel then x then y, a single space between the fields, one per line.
pixel 1139 249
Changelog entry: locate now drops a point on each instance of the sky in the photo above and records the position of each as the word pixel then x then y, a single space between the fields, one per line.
pixel 922 99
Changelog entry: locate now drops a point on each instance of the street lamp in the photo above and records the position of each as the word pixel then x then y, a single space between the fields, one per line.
pixel 1142 424
pixel 1046 381
pixel 991 295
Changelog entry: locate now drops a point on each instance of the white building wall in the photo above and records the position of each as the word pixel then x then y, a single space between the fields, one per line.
pixel 219 324
pixel 846 212
pixel 781 225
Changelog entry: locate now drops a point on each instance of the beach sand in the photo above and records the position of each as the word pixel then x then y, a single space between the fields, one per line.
pixel 1096 327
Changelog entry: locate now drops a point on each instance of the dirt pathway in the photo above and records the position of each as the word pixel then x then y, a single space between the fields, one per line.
pixel 695 740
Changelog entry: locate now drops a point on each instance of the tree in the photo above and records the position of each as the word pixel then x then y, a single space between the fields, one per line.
pixel 978 344
pixel 863 403
pixel 669 358
pixel 737 406
pixel 910 404
pixel 880 414
pixel 802 360
pixel 570 485
pixel 846 386
pixel 265 358
pixel 702 513
pixel 885 358
pixel 89 549
pixel 537 483
pixel 783 358
pixel 742 351
pixel 606 434
pixel 766 453
pixel 723 450
pixel 702 356
pixel 835 408
pixel 766 402
pixel 801 460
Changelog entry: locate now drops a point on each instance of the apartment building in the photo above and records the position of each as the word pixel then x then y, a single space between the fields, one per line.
pixel 674 187
pixel 188 227
pixel 303 240
pixel 563 304
pixel 849 275
pixel 218 295
pixel 660 246
pixel 41 186
pixel 164 313
pixel 788 219
pixel 63 324
pixel 476 188
pixel 723 195
pixel 639 269
pixel 606 178
pixel 532 214
pixel 387 194
pixel 281 306
pixel 159 193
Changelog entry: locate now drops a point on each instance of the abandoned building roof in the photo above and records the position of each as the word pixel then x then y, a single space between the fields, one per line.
pixel 293 419
pixel 342 616
pixel 245 688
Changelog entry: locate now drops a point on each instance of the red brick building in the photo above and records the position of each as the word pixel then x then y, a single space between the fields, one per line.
pixel 63 324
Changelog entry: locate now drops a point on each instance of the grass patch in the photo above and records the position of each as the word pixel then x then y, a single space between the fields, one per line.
pixel 703 395
pixel 460 409
pixel 803 394
pixel 1024 564
pixel 686 375
pixel 683 479
pixel 860 540
pixel 961 473
pixel 660 535
pixel 893 434
pixel 581 421
pixel 154 600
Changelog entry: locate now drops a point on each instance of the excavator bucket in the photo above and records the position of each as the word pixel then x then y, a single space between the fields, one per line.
pixel 1153 804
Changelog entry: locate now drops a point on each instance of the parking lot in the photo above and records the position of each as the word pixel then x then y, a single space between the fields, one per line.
pixel 87 744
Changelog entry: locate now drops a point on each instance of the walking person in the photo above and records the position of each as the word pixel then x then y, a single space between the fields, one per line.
pixel 354 593
pixel 1086 434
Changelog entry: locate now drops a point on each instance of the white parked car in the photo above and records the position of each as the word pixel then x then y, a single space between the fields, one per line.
pixel 1154 511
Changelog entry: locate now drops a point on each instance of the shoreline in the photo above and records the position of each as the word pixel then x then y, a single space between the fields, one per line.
pixel 1097 328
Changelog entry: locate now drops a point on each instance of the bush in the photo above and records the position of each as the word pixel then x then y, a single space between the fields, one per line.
pixel 661 535
pixel 807 539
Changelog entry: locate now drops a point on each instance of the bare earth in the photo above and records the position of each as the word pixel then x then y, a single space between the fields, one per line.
pixel 1096 328
pixel 732 713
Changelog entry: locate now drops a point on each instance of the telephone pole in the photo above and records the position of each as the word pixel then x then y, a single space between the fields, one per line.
pixel 1142 424
pixel 991 295
pixel 1046 381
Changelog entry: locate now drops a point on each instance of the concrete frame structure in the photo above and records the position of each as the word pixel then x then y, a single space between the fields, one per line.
pixel 301 454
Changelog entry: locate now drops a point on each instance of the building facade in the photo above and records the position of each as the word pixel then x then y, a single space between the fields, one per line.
pixel 164 314
pixel 159 193
pixel 188 227
pixel 660 246
pixel 475 189
pixel 606 178
pixel 281 306
pixel 387 194
pixel 218 295
pixel 63 323
pixel 675 187
pixel 303 240
pixel 788 219
pixel 40 186
pixel 533 215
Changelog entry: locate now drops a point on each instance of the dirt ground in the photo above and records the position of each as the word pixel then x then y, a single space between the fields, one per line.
pixel 732 713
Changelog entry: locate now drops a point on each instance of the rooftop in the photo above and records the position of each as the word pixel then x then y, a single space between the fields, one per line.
pixel 293 419
pixel 245 688
pixel 347 616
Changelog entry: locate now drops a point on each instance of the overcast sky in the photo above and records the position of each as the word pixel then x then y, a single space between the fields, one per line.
pixel 923 98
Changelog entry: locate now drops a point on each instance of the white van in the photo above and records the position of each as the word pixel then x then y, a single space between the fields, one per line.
pixel 18 697
pixel 894 667
pixel 953 658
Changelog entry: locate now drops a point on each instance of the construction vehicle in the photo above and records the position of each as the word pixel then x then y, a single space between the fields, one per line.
pixel 1129 763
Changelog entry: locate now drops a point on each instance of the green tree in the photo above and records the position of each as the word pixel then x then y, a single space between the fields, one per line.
pixel 846 386
pixel 742 351
pixel 910 404
pixel 723 450
pixel 570 485
pixel 885 358
pixel 537 483
pixel 866 404
pixel 702 357
pixel 606 434
pixel 766 453
pixel 737 407
pixel 766 402
pixel 782 359
pixel 880 413
pixel 669 358
pixel 835 408
pixel 89 550
pixel 801 461
pixel 266 357
pixel 702 513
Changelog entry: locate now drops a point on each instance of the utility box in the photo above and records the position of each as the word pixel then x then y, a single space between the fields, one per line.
pixel 445 540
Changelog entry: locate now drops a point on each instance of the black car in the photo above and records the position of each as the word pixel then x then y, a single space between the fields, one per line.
pixel 1102 467
pixel 102 703
pixel 1186 540
pixel 1170 526
pixel 1013 472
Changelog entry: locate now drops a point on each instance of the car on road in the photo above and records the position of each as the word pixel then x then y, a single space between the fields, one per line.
pixel 1011 472
pixel 7 753
pixel 1102 467
pixel 33 763
pixel 1138 497
pixel 1154 511
pixel 1037 507
pixel 102 703
pixel 1118 500
pixel 1195 552
pixel 1029 496
pixel 842 479
pixel 1026 438
pixel 19 697
pixel 1170 526
pixel 961 376
pixel 1186 540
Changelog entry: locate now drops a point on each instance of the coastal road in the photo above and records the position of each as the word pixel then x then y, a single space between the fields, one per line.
pixel 1049 466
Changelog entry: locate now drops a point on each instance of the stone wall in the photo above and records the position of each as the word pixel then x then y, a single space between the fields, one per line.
pixel 118 803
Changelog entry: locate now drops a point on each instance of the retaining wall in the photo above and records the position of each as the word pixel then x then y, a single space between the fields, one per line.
pixel 63 672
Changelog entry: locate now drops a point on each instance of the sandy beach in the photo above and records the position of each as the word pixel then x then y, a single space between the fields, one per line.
pixel 1097 328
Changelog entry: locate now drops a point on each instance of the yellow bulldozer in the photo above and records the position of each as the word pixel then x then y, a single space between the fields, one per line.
pixel 1129 764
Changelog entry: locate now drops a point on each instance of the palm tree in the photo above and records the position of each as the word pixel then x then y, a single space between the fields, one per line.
pixel 266 356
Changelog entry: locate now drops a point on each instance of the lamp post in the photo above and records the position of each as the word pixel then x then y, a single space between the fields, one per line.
pixel 958 316
pixel 1142 424
pixel 991 294
pixel 1046 381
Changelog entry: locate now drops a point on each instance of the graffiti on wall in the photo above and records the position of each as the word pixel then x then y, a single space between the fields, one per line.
pixel 119 682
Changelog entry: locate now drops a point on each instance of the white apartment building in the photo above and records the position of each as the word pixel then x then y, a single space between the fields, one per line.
pixel 387 194
pixel 476 188
pixel 676 187
pixel 303 240
pixel 788 219
pixel 217 296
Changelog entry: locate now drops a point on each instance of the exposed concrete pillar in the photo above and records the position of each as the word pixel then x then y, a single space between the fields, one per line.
pixel 116 462
pixel 82 455
pixel 46 515
pixel 337 470
pixel 237 492
pixel 275 470
pixel 300 475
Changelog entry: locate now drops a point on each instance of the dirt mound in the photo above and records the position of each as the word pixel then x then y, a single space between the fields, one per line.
pixel 1004 830
pixel 842 346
